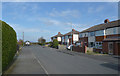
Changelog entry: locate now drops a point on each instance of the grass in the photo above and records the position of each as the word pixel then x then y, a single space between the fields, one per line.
pixel 94 53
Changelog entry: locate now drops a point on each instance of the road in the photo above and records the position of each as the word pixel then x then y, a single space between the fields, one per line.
pixel 35 59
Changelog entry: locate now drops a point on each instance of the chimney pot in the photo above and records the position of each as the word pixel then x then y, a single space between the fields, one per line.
pixel 73 29
pixel 59 33
pixel 106 21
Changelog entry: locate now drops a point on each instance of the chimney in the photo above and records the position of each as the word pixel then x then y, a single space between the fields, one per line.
pixel 59 33
pixel 73 29
pixel 106 21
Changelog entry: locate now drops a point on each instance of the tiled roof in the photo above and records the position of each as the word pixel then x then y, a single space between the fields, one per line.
pixel 58 35
pixel 73 32
pixel 102 26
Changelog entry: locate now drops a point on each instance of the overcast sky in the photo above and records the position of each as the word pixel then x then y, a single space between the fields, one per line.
pixel 46 19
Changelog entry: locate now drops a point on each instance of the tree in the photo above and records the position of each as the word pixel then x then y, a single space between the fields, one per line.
pixel 41 41
pixel 20 42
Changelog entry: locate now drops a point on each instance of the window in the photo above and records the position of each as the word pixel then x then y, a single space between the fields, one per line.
pixel 91 33
pixel 80 35
pixel 85 35
pixel 91 44
pixel 114 30
pixel 66 38
pixel 98 45
pixel 99 33
pixel 62 39
pixel 118 30
pixel 111 31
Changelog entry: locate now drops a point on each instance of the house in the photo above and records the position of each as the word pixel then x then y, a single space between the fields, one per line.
pixel 70 37
pixel 111 46
pixel 96 36
pixel 58 37
pixel 104 38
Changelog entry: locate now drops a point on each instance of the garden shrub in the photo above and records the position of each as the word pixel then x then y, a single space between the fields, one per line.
pixel 50 44
pixel 41 44
pixel 9 44
pixel 55 43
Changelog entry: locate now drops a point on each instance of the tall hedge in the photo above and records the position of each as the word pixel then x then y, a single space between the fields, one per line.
pixel 9 44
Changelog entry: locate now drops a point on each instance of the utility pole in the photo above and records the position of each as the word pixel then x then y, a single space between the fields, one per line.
pixel 71 37
pixel 23 38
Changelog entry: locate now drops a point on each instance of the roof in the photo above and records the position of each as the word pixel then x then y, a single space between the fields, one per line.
pixel 103 26
pixel 73 32
pixel 58 35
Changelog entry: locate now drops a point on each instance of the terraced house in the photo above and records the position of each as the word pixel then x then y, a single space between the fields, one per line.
pixel 103 37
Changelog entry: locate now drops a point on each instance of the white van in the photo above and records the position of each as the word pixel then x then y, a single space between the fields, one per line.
pixel 27 43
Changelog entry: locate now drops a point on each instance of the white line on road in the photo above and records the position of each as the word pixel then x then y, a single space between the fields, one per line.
pixel 40 64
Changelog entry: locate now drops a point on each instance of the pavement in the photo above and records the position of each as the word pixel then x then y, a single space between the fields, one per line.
pixel 35 59
pixel 26 63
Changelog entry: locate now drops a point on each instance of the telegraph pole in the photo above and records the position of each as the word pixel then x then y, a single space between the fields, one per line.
pixel 23 38
pixel 71 37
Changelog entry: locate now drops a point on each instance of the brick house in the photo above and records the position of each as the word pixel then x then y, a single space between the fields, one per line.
pixel 111 46
pixel 95 36
pixel 70 37
pixel 58 37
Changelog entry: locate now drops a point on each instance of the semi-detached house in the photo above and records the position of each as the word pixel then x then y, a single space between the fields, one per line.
pixel 70 37
pixel 95 36
pixel 103 37
pixel 58 37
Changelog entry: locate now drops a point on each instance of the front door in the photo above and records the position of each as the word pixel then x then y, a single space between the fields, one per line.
pixel 110 47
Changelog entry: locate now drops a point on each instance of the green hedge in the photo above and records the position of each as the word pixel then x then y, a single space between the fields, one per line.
pixel 9 44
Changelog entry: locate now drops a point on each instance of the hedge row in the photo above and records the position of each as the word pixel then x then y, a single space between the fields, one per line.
pixel 9 44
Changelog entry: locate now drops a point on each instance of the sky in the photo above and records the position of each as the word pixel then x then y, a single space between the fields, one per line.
pixel 46 19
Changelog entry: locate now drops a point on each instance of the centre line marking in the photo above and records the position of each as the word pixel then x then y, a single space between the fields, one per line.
pixel 41 64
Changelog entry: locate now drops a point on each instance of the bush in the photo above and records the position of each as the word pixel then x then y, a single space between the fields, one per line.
pixel 50 44
pixel 55 43
pixel 9 44
pixel 42 44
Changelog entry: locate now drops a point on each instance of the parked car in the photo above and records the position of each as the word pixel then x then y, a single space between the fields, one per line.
pixel 27 43
pixel 69 47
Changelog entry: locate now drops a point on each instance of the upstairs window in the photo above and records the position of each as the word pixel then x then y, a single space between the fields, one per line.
pixel 80 35
pixel 99 33
pixel 91 33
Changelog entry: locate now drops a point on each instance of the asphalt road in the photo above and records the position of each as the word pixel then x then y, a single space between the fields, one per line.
pixel 38 60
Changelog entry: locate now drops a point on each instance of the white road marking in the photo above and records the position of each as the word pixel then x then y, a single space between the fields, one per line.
pixel 41 64
pixel 105 62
